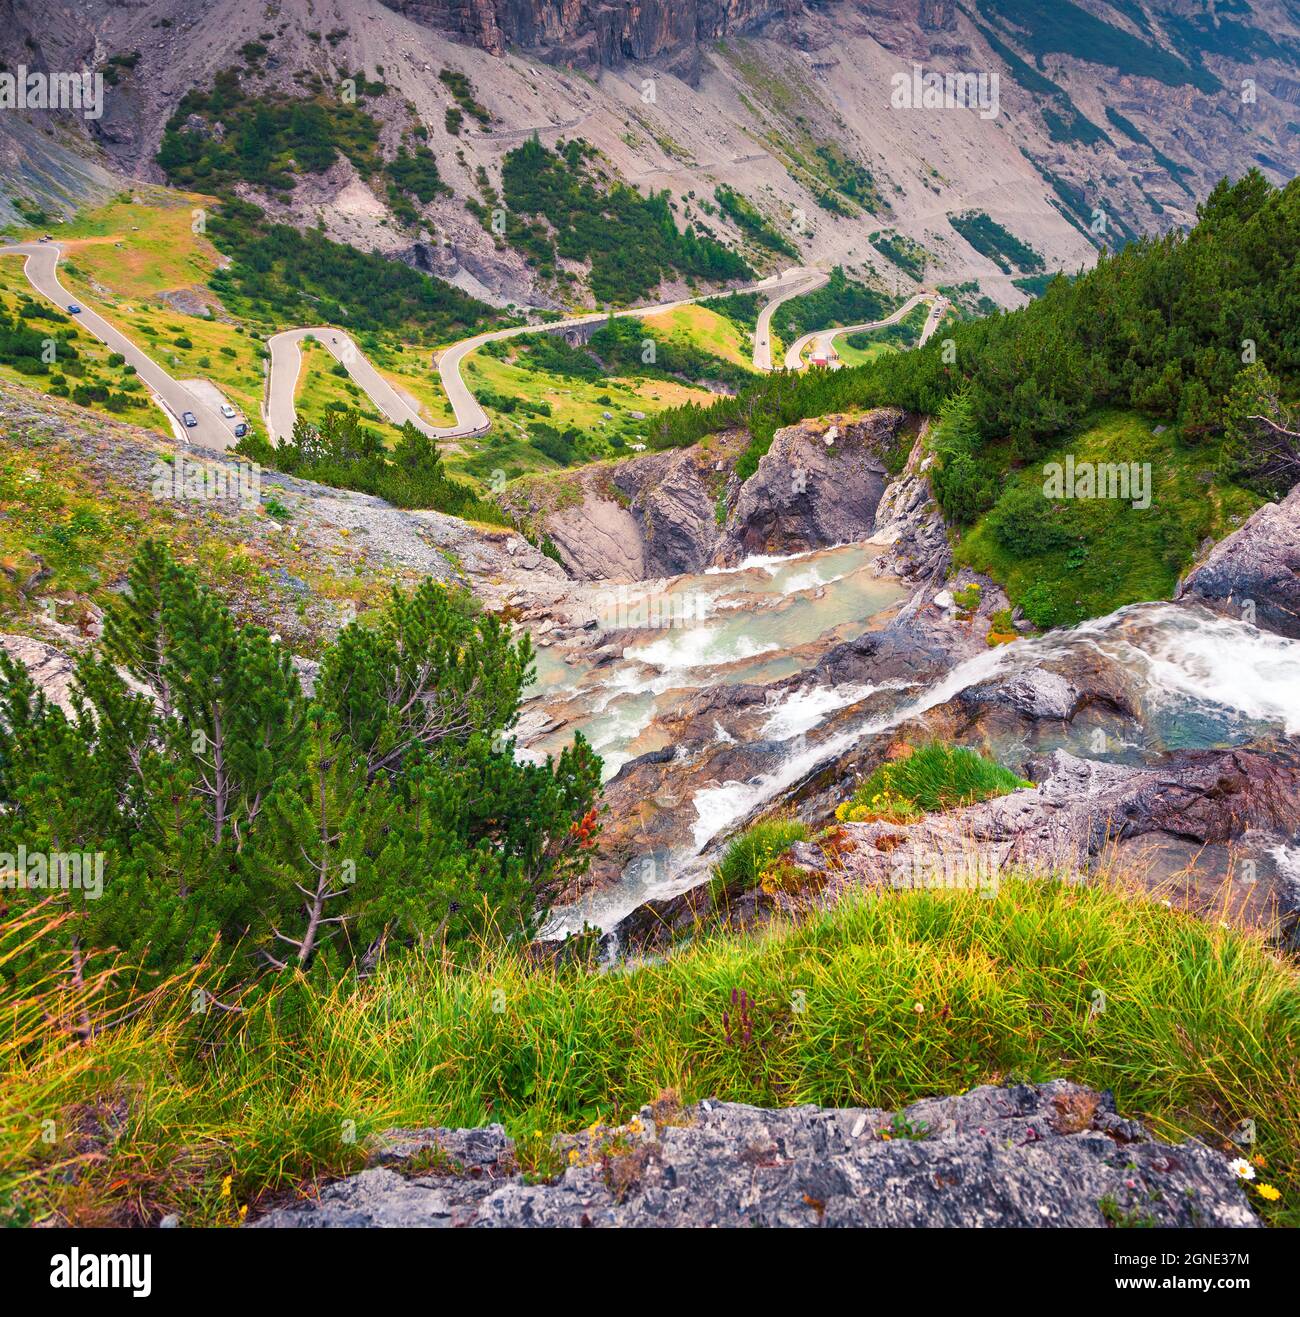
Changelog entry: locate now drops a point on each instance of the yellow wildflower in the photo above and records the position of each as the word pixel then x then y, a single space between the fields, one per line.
pixel 1267 1192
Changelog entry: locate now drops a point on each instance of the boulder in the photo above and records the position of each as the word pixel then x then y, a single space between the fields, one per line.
pixel 1255 572
pixel 50 669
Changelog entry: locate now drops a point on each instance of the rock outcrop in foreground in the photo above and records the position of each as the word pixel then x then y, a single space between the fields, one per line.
pixel 1049 1155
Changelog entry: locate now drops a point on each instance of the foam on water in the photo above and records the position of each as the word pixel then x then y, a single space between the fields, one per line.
pixel 717 808
pixel 1190 654
pixel 768 562
pixel 802 710
pixel 1191 660
pixel 699 647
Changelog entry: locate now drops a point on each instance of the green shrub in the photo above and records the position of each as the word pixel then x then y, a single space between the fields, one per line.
pixel 1047 604
pixel 968 597
pixel 964 485
pixel 1025 523
pixel 1001 627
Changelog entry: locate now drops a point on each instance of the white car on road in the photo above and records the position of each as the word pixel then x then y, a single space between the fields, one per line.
pixel 228 411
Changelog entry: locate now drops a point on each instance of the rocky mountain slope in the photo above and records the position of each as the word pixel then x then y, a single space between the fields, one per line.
pixel 593 33
pixel 1108 126
pixel 298 558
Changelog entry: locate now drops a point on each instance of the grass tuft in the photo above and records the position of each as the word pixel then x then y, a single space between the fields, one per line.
pixel 748 855
pixel 932 777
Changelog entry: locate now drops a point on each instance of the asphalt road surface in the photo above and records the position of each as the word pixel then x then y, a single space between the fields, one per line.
pixel 821 339
pixel 40 267
pixel 804 281
pixel 286 362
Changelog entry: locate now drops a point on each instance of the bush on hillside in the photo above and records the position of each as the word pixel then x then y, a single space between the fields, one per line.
pixel 241 824
pixel 1026 523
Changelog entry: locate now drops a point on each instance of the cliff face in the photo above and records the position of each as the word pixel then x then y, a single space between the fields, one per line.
pixel 604 32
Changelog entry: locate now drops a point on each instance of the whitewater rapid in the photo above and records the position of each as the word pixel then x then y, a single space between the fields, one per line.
pixel 1191 663
pixel 1200 679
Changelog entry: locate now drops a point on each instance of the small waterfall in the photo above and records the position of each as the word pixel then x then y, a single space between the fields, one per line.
pixel 1193 664
pixel 1201 679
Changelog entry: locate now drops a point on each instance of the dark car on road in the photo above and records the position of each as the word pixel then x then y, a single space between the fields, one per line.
pixel 73 309
pixel 190 419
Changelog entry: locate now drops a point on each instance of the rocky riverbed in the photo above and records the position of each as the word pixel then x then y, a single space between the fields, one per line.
pixel 1160 739
pixel 811 630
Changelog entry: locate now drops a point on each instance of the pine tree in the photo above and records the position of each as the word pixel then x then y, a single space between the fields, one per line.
pixel 1261 447
pixel 56 827
pixel 433 672
pixel 335 840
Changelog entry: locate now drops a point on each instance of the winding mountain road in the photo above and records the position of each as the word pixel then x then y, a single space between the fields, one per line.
pixel 215 432
pixel 763 330
pixel 41 268
pixel 286 363
pixel 822 339
pixel 938 309
pixel 471 419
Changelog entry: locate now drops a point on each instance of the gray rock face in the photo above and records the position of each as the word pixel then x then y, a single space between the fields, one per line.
pixel 657 514
pixel 670 494
pixel 1050 1155
pixel 1255 572
pixel 1086 812
pixel 599 540
pixel 50 668
pixel 820 483
pixel 909 521
pixel 649 516
pixel 1040 693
